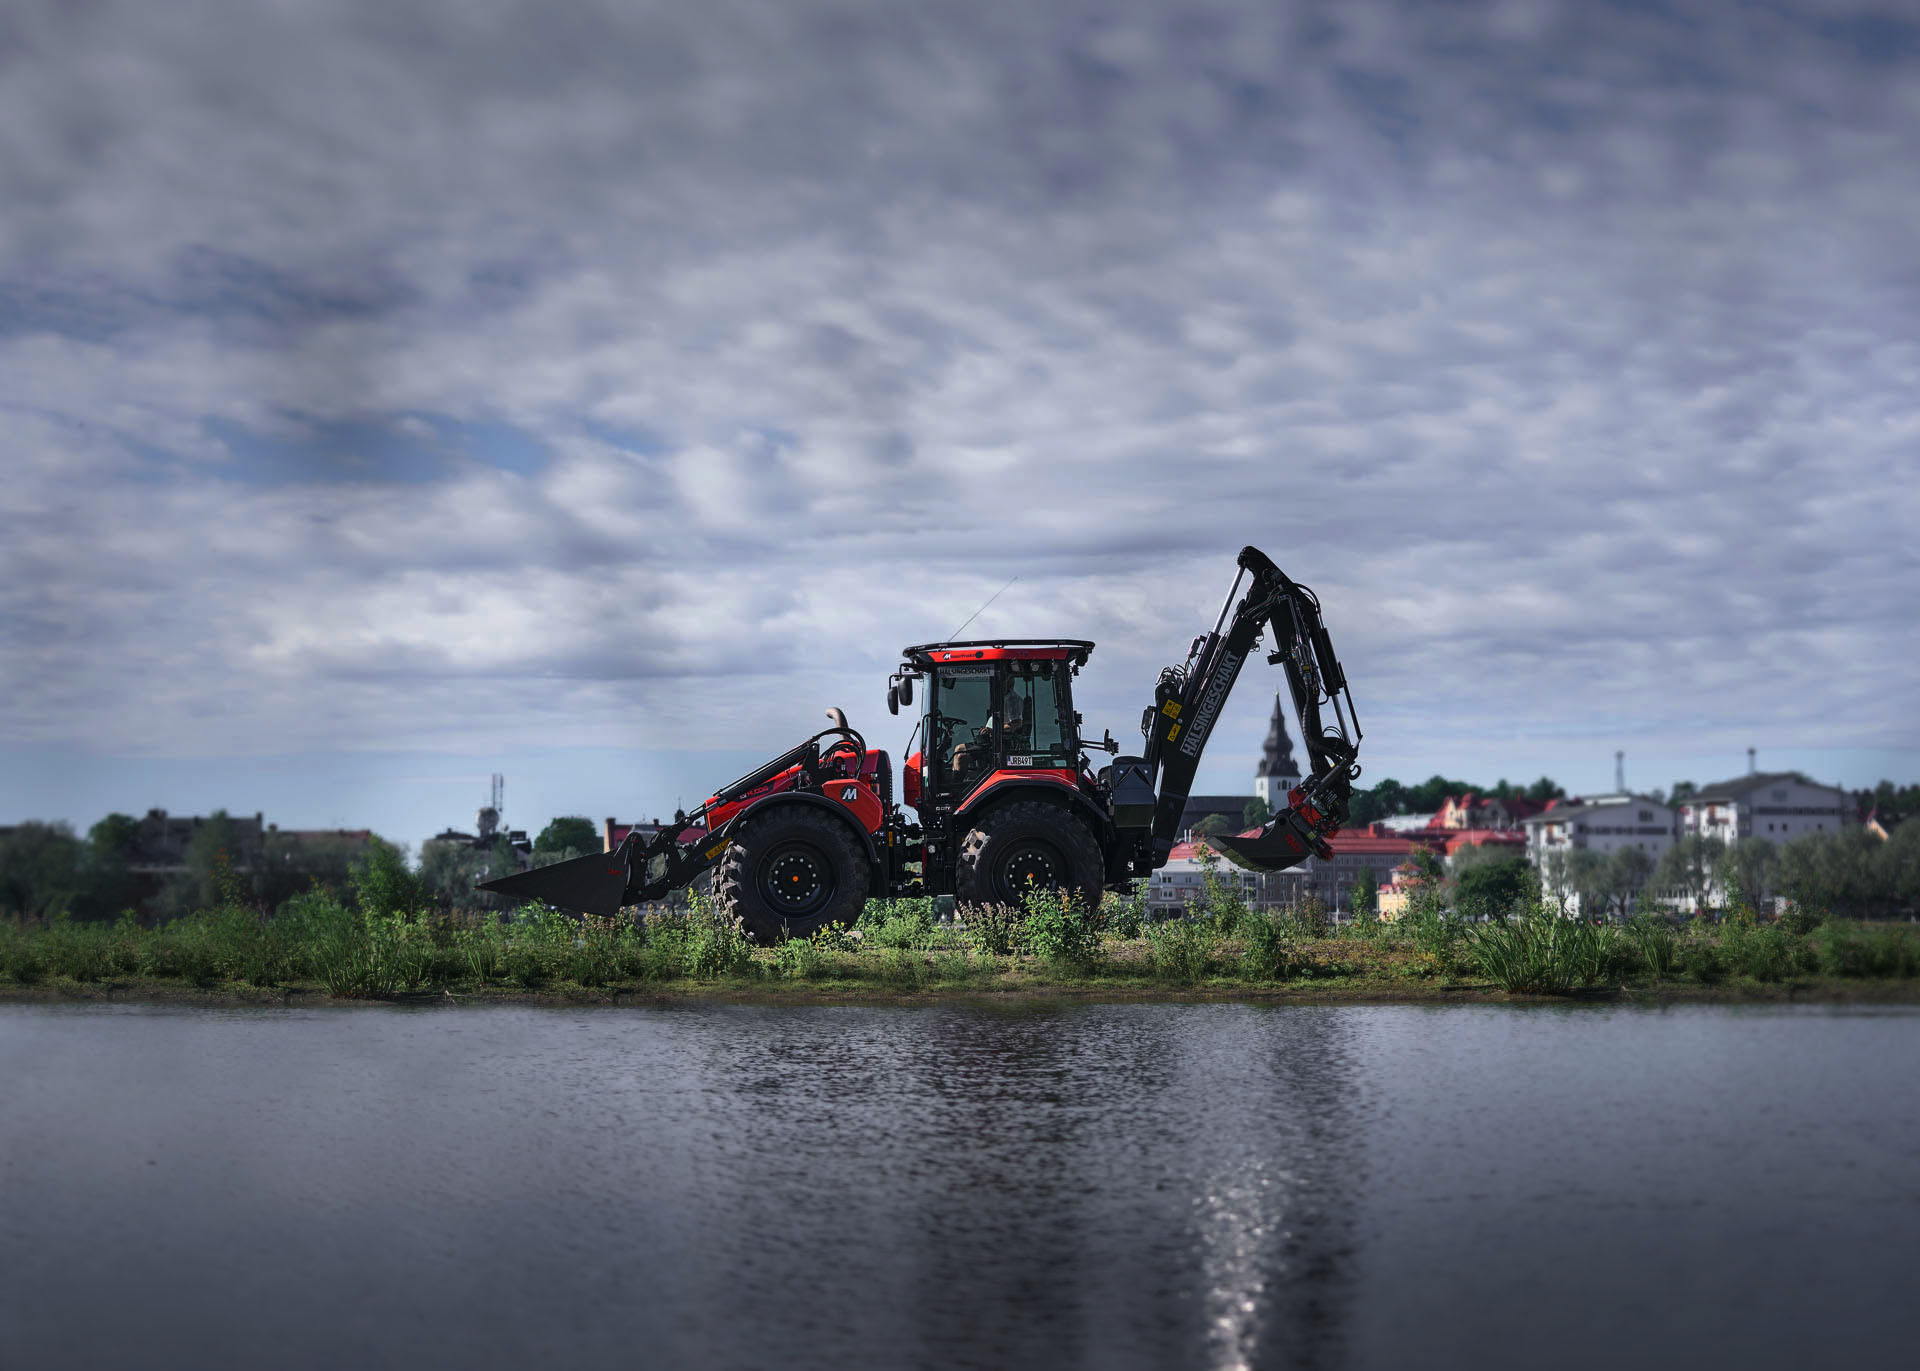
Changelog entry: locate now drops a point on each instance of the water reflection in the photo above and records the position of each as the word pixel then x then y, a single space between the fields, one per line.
pixel 1052 1187
pixel 1121 1186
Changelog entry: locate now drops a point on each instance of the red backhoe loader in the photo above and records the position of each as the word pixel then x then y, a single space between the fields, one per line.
pixel 997 795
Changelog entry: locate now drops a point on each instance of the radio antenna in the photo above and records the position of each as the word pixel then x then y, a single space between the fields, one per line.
pixel 983 608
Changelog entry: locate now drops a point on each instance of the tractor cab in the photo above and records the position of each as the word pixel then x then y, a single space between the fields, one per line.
pixel 990 708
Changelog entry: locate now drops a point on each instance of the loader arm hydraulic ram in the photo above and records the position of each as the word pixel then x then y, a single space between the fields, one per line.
pixel 1187 703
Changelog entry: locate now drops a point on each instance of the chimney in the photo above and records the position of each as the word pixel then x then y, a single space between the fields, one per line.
pixel 1751 768
pixel 1620 772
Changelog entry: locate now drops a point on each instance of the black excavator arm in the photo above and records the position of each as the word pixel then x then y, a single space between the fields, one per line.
pixel 1187 703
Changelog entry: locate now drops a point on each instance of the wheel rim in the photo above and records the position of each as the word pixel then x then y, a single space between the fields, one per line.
pixel 796 880
pixel 1030 865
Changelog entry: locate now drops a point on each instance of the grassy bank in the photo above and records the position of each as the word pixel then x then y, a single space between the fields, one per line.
pixel 317 946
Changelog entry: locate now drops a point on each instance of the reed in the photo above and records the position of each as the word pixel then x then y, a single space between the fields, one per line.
pixel 1543 952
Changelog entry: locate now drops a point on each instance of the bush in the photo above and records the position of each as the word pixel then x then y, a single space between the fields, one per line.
pixel 184 949
pixel 1123 916
pixel 716 946
pixel 1701 956
pixel 80 952
pixel 903 969
pixel 1765 952
pixel 1059 928
pixel 994 929
pixel 20 959
pixel 1851 949
pixel 807 959
pixel 1270 947
pixel 898 923
pixel 1181 949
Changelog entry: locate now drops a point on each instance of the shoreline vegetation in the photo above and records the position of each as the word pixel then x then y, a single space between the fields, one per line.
pixel 386 945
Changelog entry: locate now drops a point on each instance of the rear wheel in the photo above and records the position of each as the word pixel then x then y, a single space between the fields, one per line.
pixel 1024 845
pixel 791 871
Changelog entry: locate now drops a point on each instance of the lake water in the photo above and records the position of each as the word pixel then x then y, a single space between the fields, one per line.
pixel 1205 1185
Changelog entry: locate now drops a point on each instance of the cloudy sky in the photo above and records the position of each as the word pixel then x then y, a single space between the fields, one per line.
pixel 393 393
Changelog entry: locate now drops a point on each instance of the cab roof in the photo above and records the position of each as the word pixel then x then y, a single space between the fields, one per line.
pixel 1000 650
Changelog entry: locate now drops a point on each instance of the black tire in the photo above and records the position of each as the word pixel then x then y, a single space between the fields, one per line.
pixel 1027 839
pixel 791 871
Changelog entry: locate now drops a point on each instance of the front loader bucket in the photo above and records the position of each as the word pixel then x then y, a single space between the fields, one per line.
pixel 594 884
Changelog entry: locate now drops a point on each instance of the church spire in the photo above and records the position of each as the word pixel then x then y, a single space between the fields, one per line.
pixel 1278 771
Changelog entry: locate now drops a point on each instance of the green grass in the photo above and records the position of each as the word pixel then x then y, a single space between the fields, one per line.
pixel 319 944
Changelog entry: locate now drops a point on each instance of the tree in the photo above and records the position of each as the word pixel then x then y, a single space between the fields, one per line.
pixel 1491 889
pixel 1847 873
pixel 107 885
pixel 1689 866
pixel 1899 863
pixel 1627 874
pixel 290 866
pixel 382 881
pixel 1212 824
pixel 1587 875
pixel 1365 894
pixel 214 842
pixel 449 872
pixel 1479 854
pixel 1751 866
pixel 39 869
pixel 1426 863
pixel 1432 792
pixel 1256 812
pixel 1682 790
pixel 570 831
pixel 1545 789
pixel 114 838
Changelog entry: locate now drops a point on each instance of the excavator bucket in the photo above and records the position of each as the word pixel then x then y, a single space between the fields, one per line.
pixel 594 884
pixel 1287 840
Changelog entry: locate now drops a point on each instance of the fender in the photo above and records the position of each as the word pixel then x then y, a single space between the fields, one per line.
pixel 1035 787
pixel 876 865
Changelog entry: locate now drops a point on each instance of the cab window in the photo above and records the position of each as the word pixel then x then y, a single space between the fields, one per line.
pixel 1035 717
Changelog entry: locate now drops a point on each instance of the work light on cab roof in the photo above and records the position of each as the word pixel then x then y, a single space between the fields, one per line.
pixel 996 793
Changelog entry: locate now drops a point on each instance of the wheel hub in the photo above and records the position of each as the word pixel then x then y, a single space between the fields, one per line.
pixel 1029 866
pixel 796 880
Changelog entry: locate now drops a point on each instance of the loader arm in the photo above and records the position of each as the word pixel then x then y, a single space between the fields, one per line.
pixel 638 872
pixel 1188 699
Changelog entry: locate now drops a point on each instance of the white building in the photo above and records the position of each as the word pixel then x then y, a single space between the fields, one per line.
pixel 1604 824
pixel 1778 806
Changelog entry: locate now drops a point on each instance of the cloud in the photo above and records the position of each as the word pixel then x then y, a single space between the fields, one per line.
pixel 1566 350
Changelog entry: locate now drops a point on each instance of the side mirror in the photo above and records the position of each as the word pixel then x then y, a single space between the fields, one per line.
pixel 893 699
pixel 906 690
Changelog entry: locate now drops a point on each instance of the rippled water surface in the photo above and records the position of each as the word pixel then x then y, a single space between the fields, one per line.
pixel 1103 1186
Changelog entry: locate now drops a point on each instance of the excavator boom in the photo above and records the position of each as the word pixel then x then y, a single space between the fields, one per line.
pixel 1189 697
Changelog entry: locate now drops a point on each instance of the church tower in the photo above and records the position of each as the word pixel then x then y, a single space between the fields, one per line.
pixel 1278 772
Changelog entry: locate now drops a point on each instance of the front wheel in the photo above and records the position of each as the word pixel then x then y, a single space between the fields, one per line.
pixel 790 872
pixel 1026 845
